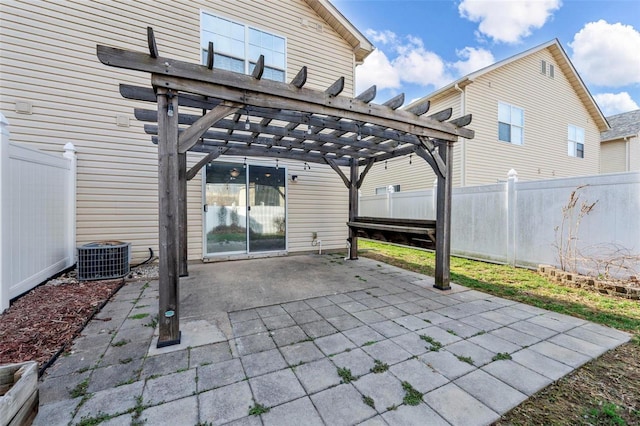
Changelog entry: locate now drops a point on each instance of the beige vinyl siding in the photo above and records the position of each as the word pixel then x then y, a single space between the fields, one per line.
pixel 549 104
pixel 613 156
pixel 48 58
pixel 417 175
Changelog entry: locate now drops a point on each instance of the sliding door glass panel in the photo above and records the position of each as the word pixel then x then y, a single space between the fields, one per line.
pixel 226 201
pixel 267 209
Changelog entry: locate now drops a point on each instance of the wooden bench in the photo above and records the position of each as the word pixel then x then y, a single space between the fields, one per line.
pixel 411 232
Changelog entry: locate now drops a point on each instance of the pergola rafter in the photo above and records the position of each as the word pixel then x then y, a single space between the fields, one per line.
pixel 243 115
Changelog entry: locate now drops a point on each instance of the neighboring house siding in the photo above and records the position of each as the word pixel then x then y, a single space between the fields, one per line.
pixel 418 174
pixel 48 58
pixel 549 105
pixel 614 157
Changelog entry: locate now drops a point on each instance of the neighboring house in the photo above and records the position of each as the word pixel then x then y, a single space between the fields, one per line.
pixel 531 112
pixel 54 90
pixel 620 146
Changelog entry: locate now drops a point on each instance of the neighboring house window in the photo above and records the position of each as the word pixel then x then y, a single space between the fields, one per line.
pixel 575 146
pixel 510 123
pixel 237 46
pixel 385 189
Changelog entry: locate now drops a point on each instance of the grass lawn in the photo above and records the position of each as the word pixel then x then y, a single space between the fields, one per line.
pixel 605 391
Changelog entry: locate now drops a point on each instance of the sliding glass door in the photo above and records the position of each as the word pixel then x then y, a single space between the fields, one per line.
pixel 237 195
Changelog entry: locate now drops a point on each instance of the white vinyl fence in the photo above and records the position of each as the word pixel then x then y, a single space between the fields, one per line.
pixel 37 215
pixel 515 222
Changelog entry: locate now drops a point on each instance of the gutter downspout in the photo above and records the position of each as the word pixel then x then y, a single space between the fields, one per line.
pixel 628 154
pixel 463 153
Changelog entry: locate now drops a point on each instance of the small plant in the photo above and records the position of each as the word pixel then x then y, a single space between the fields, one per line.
pixel 393 407
pixel 412 396
pixel 360 278
pixel 121 342
pixel 91 421
pixel 346 376
pixel 501 356
pixel 258 409
pixel 379 366
pixel 369 343
pixel 427 321
pixel 466 359
pixel 125 382
pixel 452 332
pixel 125 360
pixel 369 401
pixel 153 323
pixel 80 389
pixel 479 333
pixel 435 346
pixel 137 412
pixel 139 316
pixel 607 414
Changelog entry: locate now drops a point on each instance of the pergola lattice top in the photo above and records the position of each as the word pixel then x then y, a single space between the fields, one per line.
pixel 248 116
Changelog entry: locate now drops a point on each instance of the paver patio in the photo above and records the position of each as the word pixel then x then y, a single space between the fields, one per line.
pixel 255 336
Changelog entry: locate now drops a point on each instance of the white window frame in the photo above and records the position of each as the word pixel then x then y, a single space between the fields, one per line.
pixel 389 189
pixel 247 60
pixel 510 122
pixel 575 141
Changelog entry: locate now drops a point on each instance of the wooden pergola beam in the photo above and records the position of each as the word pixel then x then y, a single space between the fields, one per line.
pixel 188 137
pixel 174 74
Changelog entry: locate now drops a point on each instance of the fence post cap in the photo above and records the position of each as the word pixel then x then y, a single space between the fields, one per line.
pixel 513 174
pixel 69 147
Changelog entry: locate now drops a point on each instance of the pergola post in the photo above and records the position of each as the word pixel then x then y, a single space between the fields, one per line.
pixel 182 214
pixel 443 218
pixel 168 194
pixel 353 208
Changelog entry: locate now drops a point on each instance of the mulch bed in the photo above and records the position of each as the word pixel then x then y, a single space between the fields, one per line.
pixel 46 320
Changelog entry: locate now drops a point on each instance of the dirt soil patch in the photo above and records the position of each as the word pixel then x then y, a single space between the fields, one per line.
pixel 606 391
pixel 47 319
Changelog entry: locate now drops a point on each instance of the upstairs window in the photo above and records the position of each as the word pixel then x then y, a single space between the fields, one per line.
pixel 510 123
pixel 575 144
pixel 237 46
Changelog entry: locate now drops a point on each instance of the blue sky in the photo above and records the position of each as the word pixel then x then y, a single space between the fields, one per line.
pixel 425 44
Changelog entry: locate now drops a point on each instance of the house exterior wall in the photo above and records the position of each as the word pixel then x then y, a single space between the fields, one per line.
pixel 622 155
pixel 48 60
pixel 614 156
pixel 549 104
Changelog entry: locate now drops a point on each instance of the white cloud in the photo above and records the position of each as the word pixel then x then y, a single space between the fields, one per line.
pixel 408 61
pixel 506 20
pixel 607 54
pixel 615 103
pixel 472 59
pixel 384 37
pixel 377 70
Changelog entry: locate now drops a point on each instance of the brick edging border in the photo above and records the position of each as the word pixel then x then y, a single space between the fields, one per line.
pixel 627 290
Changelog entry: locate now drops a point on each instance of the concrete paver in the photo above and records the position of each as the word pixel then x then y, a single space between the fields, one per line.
pixel 294 413
pixel 250 339
pixel 341 406
pixel 276 388
pixel 225 404
pixel 458 407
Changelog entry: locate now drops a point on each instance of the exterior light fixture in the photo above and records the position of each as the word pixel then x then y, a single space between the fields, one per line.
pixel 234 173
pixel 247 124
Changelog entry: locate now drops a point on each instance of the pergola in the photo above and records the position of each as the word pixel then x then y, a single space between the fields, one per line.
pixel 244 115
